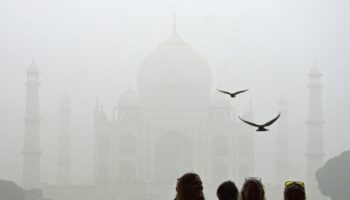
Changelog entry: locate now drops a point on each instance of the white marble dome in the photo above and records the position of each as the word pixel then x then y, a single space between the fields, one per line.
pixel 174 66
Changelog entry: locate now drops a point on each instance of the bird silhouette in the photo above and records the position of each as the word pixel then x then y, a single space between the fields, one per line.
pixel 262 127
pixel 232 95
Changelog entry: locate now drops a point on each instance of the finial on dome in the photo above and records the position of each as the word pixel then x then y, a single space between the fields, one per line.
pixel 174 23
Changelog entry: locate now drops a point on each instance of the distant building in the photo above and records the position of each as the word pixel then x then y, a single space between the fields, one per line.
pixel 173 124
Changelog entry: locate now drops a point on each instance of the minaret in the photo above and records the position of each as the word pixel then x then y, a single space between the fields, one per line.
pixel 282 153
pixel 314 154
pixel 100 171
pixel 31 149
pixel 63 160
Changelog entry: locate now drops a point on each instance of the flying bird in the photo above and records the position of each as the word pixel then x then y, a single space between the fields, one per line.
pixel 232 95
pixel 262 127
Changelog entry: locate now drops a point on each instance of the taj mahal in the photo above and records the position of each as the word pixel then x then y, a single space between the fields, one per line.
pixel 173 123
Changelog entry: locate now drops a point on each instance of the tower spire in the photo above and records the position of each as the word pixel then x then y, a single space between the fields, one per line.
pixel 315 152
pixel 31 148
pixel 63 161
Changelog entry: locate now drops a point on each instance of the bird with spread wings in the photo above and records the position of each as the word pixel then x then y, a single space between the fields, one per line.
pixel 232 95
pixel 261 127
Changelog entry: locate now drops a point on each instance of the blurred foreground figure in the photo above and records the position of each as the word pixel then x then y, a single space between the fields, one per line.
pixel 227 191
pixel 10 191
pixel 253 189
pixel 294 190
pixel 189 187
pixel 334 177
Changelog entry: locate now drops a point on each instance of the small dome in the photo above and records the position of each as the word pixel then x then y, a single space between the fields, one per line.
pixel 218 99
pixel 128 98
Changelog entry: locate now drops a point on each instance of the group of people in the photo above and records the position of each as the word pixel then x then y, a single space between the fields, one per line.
pixel 190 187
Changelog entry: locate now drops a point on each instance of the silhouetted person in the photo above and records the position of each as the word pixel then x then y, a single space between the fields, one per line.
pixel 252 189
pixel 190 187
pixel 294 190
pixel 227 191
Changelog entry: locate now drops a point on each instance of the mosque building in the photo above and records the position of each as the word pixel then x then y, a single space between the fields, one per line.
pixel 173 123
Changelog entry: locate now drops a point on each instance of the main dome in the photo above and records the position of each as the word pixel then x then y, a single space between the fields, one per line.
pixel 174 66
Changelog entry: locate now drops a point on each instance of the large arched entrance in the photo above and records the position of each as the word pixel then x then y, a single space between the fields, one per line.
pixel 173 157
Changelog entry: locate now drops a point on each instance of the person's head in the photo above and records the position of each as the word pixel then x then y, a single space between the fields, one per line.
pixel 227 191
pixel 253 189
pixel 294 190
pixel 189 187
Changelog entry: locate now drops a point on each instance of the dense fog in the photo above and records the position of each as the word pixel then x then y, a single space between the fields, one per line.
pixel 87 50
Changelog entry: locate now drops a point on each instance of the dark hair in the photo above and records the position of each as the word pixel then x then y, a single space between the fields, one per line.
pixel 294 187
pixel 227 190
pixel 186 179
pixel 257 183
pixel 185 186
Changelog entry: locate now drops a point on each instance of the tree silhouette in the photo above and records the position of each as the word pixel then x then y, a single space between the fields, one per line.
pixel 10 191
pixel 334 177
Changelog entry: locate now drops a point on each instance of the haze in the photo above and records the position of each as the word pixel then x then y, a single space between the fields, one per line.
pixel 88 49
